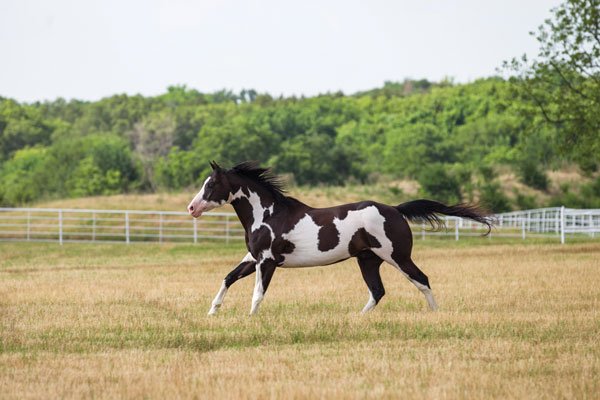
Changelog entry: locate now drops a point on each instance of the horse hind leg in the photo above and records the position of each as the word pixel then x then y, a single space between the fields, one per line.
pixel 419 279
pixel 414 274
pixel 369 264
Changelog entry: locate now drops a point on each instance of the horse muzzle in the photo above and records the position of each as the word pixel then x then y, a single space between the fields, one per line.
pixel 197 208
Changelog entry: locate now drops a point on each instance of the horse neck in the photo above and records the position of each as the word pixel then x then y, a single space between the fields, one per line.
pixel 252 205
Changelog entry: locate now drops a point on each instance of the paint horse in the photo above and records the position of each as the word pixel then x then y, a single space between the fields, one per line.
pixel 281 231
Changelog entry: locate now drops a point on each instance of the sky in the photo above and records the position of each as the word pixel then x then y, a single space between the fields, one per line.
pixel 88 49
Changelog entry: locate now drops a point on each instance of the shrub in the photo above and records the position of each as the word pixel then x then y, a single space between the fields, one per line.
pixel 438 184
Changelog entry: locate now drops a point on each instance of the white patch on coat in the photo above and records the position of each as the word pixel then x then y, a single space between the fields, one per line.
pixel 305 237
pixel 237 195
pixel 200 194
pixel 258 211
pixel 200 205
pixel 247 257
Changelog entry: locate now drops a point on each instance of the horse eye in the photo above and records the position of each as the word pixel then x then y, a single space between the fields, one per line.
pixel 210 185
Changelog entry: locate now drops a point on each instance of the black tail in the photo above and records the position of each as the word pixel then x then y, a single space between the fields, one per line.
pixel 428 210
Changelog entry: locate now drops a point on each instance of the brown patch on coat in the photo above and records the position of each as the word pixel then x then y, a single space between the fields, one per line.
pixel 362 240
pixel 329 237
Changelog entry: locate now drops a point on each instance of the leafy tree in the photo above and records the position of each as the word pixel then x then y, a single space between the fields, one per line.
pixel 362 143
pixel 410 147
pixel 21 126
pixel 92 165
pixel 20 177
pixel 313 159
pixel 152 138
pixel 564 79
pixel 492 197
pixel 438 184
pixel 180 169
pixel 246 136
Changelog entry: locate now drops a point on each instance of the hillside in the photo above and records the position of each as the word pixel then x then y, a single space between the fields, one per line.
pixel 392 192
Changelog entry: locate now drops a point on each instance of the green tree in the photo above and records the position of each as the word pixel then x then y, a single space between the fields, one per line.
pixel 91 165
pixel 152 138
pixel 21 126
pixel 180 169
pixel 410 147
pixel 246 136
pixel 564 79
pixel 313 159
pixel 438 184
pixel 20 177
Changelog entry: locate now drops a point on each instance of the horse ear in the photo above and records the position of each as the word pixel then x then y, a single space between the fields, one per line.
pixel 214 165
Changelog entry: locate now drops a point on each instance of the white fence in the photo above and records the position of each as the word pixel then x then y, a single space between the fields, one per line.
pixel 75 225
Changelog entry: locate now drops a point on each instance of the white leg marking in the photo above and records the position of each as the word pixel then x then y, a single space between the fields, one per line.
pixel 218 300
pixel 388 258
pixel 428 295
pixel 370 304
pixel 258 294
pixel 216 303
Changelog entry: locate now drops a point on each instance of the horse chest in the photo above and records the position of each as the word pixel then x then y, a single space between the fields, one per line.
pixel 260 240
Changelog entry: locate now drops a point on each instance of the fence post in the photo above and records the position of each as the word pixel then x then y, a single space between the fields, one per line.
pixel 28 225
pixel 60 227
pixel 160 227
pixel 455 229
pixel 195 230
pixel 227 229
pixel 523 227
pixel 127 227
pixel 544 221
pixel 562 224
pixel 94 226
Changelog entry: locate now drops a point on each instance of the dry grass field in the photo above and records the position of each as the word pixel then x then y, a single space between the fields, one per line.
pixel 115 321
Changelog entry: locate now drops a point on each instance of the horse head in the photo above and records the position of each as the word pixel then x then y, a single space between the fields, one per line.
pixel 215 192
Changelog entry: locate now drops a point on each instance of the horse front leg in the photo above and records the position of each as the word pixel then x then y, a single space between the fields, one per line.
pixel 264 272
pixel 244 268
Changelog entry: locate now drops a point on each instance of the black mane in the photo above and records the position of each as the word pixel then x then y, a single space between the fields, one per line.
pixel 262 176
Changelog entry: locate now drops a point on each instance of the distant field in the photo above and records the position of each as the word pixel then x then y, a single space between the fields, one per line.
pixel 389 192
pixel 106 321
pixel 325 196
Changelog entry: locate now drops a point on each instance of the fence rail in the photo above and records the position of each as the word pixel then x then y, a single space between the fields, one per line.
pixel 77 225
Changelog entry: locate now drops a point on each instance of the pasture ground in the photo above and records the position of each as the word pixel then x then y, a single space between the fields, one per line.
pixel 111 321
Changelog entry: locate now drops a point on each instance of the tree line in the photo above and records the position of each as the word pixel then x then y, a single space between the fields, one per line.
pixel 449 137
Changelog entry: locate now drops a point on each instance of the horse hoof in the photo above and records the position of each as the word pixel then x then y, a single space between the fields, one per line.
pixel 213 311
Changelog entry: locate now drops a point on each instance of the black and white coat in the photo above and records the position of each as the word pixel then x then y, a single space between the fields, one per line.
pixel 286 233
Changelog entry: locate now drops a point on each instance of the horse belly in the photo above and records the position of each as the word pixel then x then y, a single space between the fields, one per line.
pixel 311 257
